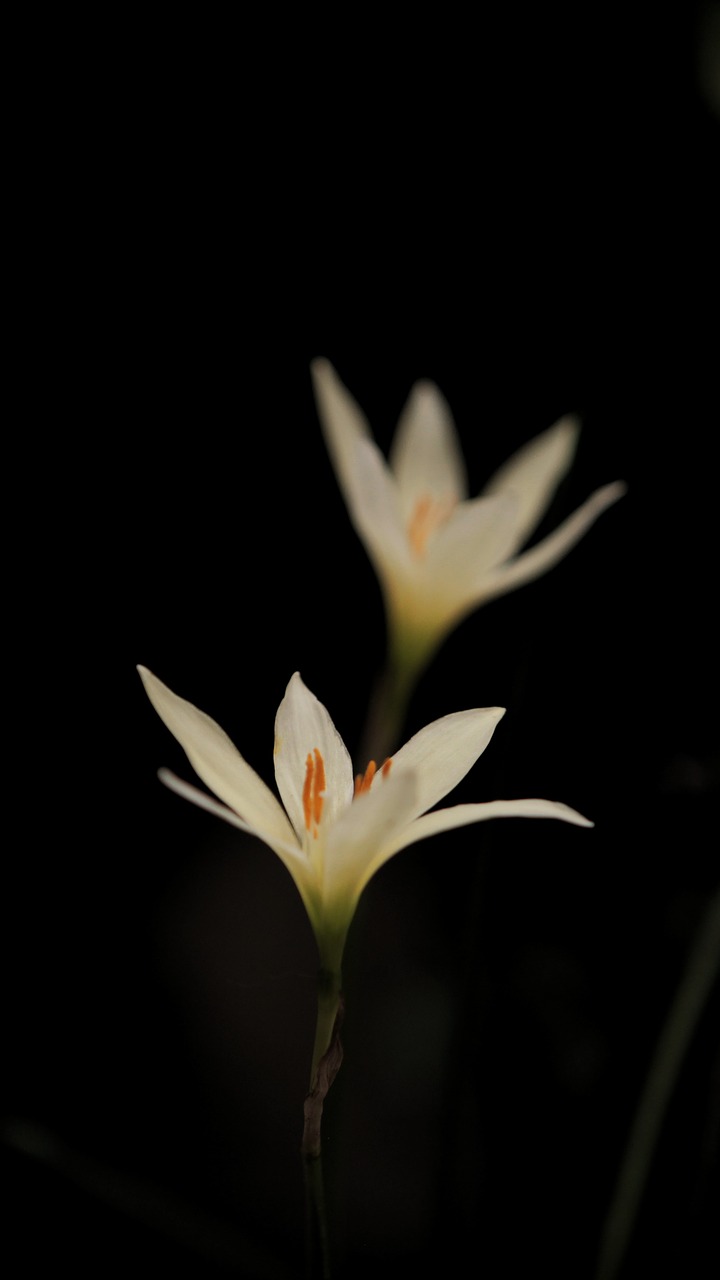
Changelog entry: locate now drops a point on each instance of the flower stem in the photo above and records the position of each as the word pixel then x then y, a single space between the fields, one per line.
pixel 327 1057
pixel 386 713
pixel 327 1027
pixel 694 988
pixel 317 1245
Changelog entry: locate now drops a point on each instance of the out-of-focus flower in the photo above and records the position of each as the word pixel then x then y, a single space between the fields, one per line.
pixel 333 831
pixel 439 554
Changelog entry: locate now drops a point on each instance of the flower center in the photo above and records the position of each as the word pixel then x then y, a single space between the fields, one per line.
pixel 427 516
pixel 363 781
pixel 313 795
pixel 313 790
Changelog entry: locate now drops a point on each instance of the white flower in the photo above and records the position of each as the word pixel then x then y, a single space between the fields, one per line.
pixel 437 553
pixel 333 832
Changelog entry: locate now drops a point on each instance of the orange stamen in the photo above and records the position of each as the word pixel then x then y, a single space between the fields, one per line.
pixel 427 516
pixel 313 789
pixel 363 781
pixel 319 786
pixel 418 527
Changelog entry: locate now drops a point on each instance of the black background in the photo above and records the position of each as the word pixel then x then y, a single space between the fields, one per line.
pixel 525 211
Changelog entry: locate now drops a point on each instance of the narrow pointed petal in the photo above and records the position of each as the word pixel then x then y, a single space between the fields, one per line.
pixel 478 535
pixel 426 458
pixel 534 473
pixel 374 820
pixel 538 559
pixel 302 726
pixel 443 752
pixel 375 511
pixel 290 854
pixel 342 420
pixel 463 815
pixel 217 761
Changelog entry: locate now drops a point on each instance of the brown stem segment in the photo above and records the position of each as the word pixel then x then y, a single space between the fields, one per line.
pixel 324 1074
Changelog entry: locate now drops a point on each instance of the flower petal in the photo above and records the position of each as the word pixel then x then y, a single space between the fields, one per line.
pixel 374 820
pixel 303 725
pixel 218 762
pixel 538 559
pixel 342 420
pixel 426 458
pixel 442 753
pixel 289 853
pixel 477 536
pixel 375 510
pixel 534 473
pixel 463 815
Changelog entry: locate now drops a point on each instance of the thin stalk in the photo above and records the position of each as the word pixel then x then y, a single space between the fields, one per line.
pixel 692 993
pixel 327 1057
pixel 386 714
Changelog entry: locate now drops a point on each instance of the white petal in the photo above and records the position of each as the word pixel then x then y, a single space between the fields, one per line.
pixel 374 820
pixel 462 815
pixel 426 458
pixel 534 473
pixel 538 559
pixel 342 420
pixel 288 853
pixel 478 535
pixel 218 762
pixel 442 753
pixel 302 724
pixel 375 510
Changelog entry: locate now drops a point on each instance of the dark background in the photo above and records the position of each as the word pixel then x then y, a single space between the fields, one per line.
pixel 524 212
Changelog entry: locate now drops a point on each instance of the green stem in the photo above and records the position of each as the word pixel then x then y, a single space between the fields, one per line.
pixel 329 1001
pixel 387 712
pixel 411 647
pixel 692 993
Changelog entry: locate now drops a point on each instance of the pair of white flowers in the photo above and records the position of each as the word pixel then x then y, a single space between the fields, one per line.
pixel 438 555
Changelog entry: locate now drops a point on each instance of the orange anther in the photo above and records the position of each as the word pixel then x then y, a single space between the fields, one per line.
pixel 427 516
pixel 319 786
pixel 313 789
pixel 419 525
pixel 363 782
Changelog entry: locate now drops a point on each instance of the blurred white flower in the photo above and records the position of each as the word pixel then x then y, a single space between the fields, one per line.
pixel 439 554
pixel 331 831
